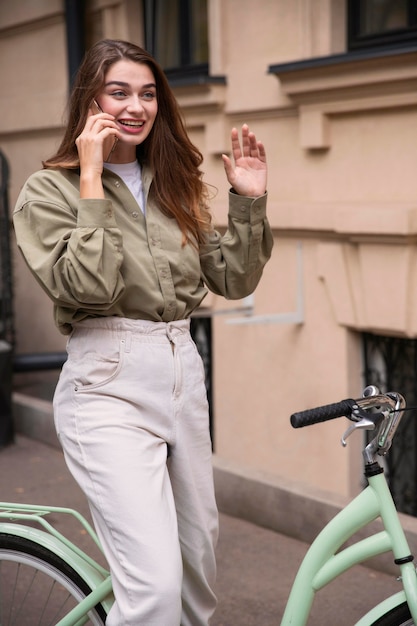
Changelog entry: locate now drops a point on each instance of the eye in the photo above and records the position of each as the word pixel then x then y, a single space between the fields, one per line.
pixel 118 94
pixel 149 95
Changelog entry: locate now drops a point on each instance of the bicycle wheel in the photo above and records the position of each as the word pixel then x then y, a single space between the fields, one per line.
pixel 399 616
pixel 37 587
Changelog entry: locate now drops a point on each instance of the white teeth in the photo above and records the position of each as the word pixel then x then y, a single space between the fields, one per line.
pixel 137 124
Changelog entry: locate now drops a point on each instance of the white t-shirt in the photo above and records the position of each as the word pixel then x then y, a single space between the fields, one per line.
pixel 131 174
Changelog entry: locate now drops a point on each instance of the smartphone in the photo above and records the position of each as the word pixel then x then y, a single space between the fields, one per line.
pixel 109 144
pixel 96 107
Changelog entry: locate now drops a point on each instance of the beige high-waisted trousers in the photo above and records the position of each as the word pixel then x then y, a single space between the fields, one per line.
pixel 131 413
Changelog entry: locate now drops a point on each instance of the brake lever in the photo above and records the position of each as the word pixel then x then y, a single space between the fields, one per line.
pixel 367 422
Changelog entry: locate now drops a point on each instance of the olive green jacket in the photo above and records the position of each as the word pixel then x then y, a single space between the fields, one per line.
pixel 104 257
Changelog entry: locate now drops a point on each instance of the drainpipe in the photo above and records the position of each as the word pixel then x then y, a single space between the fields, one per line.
pixel 36 362
pixel 75 29
pixel 6 311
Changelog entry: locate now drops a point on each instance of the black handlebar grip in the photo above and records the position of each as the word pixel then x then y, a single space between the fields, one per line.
pixel 322 413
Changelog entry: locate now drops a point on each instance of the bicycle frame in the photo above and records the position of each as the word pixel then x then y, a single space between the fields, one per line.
pixel 96 576
pixel 323 563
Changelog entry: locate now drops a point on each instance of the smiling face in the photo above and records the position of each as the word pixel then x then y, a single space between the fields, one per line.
pixel 129 94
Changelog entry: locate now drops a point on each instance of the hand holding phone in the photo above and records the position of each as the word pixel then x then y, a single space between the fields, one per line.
pixel 109 143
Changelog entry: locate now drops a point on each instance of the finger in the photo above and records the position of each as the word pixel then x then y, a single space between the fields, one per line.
pixel 100 114
pixel 261 151
pixel 99 121
pixel 236 149
pixel 104 129
pixel 253 146
pixel 246 141
pixel 227 166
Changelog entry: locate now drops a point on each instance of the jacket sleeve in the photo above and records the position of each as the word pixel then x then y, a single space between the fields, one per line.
pixel 72 246
pixel 232 265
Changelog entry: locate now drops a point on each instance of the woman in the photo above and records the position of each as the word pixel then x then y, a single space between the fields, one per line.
pixel 117 231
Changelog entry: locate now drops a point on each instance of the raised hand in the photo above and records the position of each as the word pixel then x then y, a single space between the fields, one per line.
pixel 249 174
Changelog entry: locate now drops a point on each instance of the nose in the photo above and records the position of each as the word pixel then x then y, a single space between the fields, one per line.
pixel 135 105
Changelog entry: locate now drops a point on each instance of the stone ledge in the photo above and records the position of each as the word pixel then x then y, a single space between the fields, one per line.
pixel 33 417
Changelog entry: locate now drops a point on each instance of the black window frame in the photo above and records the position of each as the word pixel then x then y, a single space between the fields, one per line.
pixel 389 39
pixel 187 71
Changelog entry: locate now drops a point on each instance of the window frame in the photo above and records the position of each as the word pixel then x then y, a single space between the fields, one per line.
pixel 390 39
pixel 187 71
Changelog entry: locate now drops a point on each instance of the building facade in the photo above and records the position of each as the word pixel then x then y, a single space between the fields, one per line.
pixel 331 90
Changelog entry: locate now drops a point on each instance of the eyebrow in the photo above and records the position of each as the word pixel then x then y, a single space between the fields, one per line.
pixel 120 83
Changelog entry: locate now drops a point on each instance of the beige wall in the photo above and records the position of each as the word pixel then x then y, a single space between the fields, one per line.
pixel 341 151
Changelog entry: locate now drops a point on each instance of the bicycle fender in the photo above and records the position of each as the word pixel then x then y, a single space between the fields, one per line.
pixel 380 609
pixel 92 575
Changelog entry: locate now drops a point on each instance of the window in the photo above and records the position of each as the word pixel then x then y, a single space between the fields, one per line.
pixel 381 23
pixel 176 34
pixel 201 333
pixel 391 364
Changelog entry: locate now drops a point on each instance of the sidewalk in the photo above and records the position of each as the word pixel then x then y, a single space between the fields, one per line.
pixel 255 566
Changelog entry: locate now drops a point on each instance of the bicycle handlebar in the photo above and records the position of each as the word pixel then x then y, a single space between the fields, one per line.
pixel 374 411
pixel 323 413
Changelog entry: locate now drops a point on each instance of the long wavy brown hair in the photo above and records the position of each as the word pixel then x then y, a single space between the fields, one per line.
pixel 175 162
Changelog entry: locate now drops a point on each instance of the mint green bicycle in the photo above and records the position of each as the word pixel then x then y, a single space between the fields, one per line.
pixel 45 579
pixel 327 558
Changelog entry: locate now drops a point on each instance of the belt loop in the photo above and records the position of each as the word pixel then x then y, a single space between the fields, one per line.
pixel 127 340
pixel 170 331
